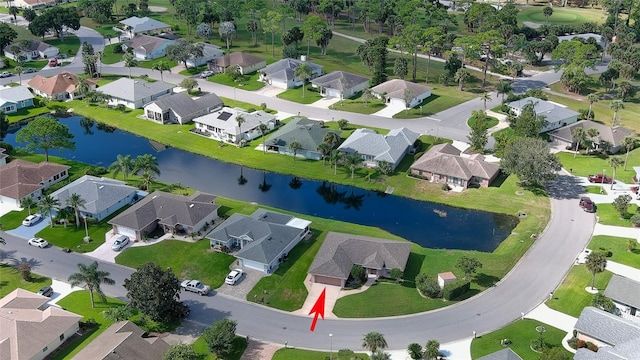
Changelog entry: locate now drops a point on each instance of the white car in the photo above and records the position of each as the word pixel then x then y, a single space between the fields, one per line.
pixel 120 243
pixel 234 276
pixel 39 242
pixel 31 220
pixel 205 74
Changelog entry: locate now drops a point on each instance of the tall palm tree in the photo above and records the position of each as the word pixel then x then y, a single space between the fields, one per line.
pixel 380 355
pixel 19 69
pixel 161 66
pixel 129 61
pixel 592 133
pixel 91 278
pixel 616 105
pixel 294 146
pixel 592 98
pixel 352 161
pixel 263 130
pixel 48 204
pixel 76 202
pixel 461 76
pixel 615 162
pixel 596 262
pixel 432 350
pixel 629 144
pixel 27 203
pixel 146 162
pixel 504 87
pixel 83 86
pixel 124 164
pixel 373 341
pixel 240 120
pixel 484 97
pixel 415 351
pixel 335 156
pixel 147 178
pixel 324 149
pixel 303 72
pixel 579 135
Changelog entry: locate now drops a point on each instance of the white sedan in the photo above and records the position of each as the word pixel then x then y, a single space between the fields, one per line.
pixel 39 242
pixel 234 276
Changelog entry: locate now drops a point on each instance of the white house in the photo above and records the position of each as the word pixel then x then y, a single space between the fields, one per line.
pixel 340 84
pixel 134 93
pixel 557 115
pixel 281 74
pixel 397 92
pixel 209 53
pixel 31 50
pixel 145 25
pixel 223 125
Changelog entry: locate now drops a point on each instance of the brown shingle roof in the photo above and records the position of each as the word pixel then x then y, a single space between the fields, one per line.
pixel 238 58
pixel 63 82
pixel 444 159
pixel 614 135
pixel 149 43
pixel 20 178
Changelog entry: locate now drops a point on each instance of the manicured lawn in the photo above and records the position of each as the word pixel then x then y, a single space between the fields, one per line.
pixel 568 15
pixel 69 44
pixel 609 216
pixel 13 219
pixel 239 346
pixel 72 237
pixel 295 95
pixel 24 113
pixel 297 354
pixel 9 65
pixel 357 105
pixel 109 57
pixel 585 165
pixel 12 280
pixel 491 123
pixel 148 64
pixel 193 70
pixel 571 297
pixel 595 189
pixel 243 105
pixel 194 262
pixel 248 82
pixel 442 98
pixel 618 248
pixel 520 333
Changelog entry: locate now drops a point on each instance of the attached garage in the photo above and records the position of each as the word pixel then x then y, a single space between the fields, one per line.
pixel 131 233
pixel 253 265
pixel 320 279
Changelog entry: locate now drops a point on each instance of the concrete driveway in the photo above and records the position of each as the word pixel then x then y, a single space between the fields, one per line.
pixel 60 290
pixel 269 90
pixel 104 252
pixel 389 110
pixel 30 231
pixel 242 288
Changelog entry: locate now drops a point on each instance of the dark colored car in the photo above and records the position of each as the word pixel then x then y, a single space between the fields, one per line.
pixel 600 179
pixel 587 205
pixel 46 291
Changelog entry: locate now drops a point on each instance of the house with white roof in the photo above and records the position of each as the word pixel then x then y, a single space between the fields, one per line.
pixel 281 74
pixel 180 108
pixel 134 93
pixel 556 115
pixel 398 91
pixel 145 25
pixel 15 98
pixel 223 125
pixel 210 52
pixel 376 148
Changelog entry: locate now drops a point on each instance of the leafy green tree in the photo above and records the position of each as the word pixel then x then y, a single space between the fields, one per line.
pixel 180 352
pixel 528 123
pixel 188 83
pixel 427 285
pixel 479 136
pixel 124 164
pixel 4 125
pixel 632 244
pixel 615 162
pixel 294 146
pixel 485 97
pixel 24 269
pixel 89 60
pixel 147 178
pixel 616 105
pixel 400 68
pixel 468 265
pixel 29 14
pixel 432 42
pixel 411 40
pixel 45 133
pixel 461 76
pixel 579 136
pixel 91 278
pixel 602 302
pixel 373 341
pixel 146 162
pixel 358 273
pixel 98 10
pixel 76 202
pixel 313 26
pixel 621 204
pixel 182 50
pixel 303 72
pixel 596 263
pixel 156 293
pixel 504 88
pixel 219 337
pixel 203 30
pixel 352 161
pixel 343 124
pixel 485 44
pixel 547 12
pixel 270 24
pixel 530 160
pixel 629 144
pixel 56 18
pixel 27 203
pixel 161 66
pixel 226 30
pixel 292 36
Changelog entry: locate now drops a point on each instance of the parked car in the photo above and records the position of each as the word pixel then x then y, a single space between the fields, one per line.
pixel 120 243
pixel 29 70
pixel 234 276
pixel 46 291
pixel 600 178
pixel 205 74
pixel 587 205
pixel 5 74
pixel 196 287
pixel 39 242
pixel 53 62
pixel 124 38
pixel 61 56
pixel 31 220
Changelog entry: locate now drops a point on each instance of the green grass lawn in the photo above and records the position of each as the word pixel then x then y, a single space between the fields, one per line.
pixel 239 346
pixel 25 113
pixel 148 64
pixel 248 82
pixel 194 262
pixel 607 215
pixel 571 297
pixel 618 248
pixel 10 280
pixel 109 57
pixel 69 44
pixel 491 123
pixel 568 15
pixel 9 65
pixel 296 95
pixel 297 354
pixel 585 165
pixel 13 219
pixel 193 70
pixel 595 189
pixel 357 105
pixel 442 98
pixel 520 333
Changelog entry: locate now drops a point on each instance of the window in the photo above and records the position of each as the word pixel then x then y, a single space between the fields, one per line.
pixel 45 349
pixel 61 337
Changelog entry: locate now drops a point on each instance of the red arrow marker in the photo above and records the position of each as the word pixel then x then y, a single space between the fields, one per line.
pixel 318 309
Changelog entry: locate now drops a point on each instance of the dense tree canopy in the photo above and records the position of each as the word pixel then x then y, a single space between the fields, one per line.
pixel 219 337
pixel 530 160
pixel 45 133
pixel 55 18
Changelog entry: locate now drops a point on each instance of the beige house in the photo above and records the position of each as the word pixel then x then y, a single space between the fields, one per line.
pixel 30 329
pixel 59 87
pixel 613 135
pixel 401 92
pixel 246 62
pixel 20 179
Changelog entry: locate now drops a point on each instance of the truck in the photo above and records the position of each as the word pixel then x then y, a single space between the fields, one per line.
pixel 600 179
pixel 196 287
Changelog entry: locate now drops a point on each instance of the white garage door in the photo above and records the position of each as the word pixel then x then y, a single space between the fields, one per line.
pixel 253 264
pixel 127 231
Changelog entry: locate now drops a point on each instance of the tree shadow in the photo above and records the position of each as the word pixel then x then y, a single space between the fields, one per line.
pixel 485 280
pixel 499 180
pixel 7 255
pixel 33 263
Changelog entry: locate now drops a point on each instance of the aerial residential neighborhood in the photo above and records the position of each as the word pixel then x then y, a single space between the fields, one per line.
pixel 280 179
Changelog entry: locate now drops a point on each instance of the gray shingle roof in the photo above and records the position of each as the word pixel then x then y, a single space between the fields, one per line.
pixel 395 88
pixel 209 50
pixel 552 112
pixel 284 69
pixel 133 90
pixel 445 159
pixel 99 193
pixel 309 133
pixel 624 290
pixel 34 45
pixel 169 209
pixel 333 80
pixel 143 24
pixel 390 148
pixel 339 252
pixel 609 328
pixel 184 105
pixel 148 43
pixel 504 354
pixel 15 94
pixel 238 58
pixel 614 135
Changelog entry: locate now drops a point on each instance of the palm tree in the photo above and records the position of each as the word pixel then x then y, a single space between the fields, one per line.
pixel 14 11
pixel 161 66
pixel 76 202
pixel 240 120
pixel 303 72
pixel 596 262
pixel 373 341
pixel 129 61
pixel 18 69
pixel 629 143
pixel 615 162
pixel 147 178
pixel 48 204
pixel 27 203
pixel 592 98
pixel 263 130
pixel 415 351
pixel 294 146
pixel 432 350
pixel 335 156
pixel 146 162
pixel 380 355
pixel 461 76
pixel 504 87
pixel 592 133
pixel 123 163
pixel 616 105
pixel 352 161
pixel 324 149
pixel 579 135
pixel 484 97
pixel 83 86
pixel 91 278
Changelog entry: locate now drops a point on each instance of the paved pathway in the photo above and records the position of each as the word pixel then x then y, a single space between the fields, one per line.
pixel 552 317
pixel 624 270
pixel 619 231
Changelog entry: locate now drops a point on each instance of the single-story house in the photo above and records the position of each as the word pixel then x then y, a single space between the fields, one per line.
pixel 146 47
pixel 180 108
pixel 123 340
pixel 340 84
pixel 176 214
pixel 504 354
pixel 586 36
pixel 15 98
pixel 281 74
pixel 262 239
pixel 625 294
pixel 3 157
pixel 613 135
pixel 246 62
pixel 376 148
pixel 134 93
pixel 210 52
pixel 308 133
pixel 20 179
pixel 33 50
pixel 556 115
pixel 145 25
pixel 37 4
pixel 443 163
pixel 31 329
pixel 446 278
pixel 58 87
pixel 339 252
pixel 616 338
pixel 223 125
pixel 397 91
pixel 102 196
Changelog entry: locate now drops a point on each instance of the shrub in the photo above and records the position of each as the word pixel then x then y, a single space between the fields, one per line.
pixel 117 49
pixel 591 346
pixel 358 273
pixel 573 342
pixel 25 270
pixel 445 187
pixel 455 290
pixel 96 171
pixel 581 344
pixel 635 219
pixel 121 107
pixel 8 147
pixel 427 285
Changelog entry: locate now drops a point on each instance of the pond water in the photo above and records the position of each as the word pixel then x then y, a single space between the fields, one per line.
pixel 427 224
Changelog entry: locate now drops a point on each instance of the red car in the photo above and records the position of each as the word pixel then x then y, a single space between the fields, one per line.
pixel 599 178
pixel 587 205
pixel 53 62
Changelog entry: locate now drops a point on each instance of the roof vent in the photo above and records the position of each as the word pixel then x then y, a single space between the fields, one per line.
pixel 191 205
pixel 101 187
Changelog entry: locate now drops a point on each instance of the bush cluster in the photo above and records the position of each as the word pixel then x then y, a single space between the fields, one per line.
pixel 427 285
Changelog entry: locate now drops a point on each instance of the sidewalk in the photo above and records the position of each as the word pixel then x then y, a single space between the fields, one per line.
pixel 623 270
pixel 552 317
pixel 619 231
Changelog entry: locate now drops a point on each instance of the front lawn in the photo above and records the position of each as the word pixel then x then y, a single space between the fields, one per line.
pixel 311 95
pixel 585 165
pixel 297 354
pixel 12 280
pixel 248 82
pixel 238 348
pixel 193 70
pixel 595 190
pixel 13 219
pixel 571 296
pixel 72 237
pixel 69 44
pixel 607 215
pixel 357 105
pixel 618 248
pixel 109 57
pixel 520 333
pixel 442 98
pixel 33 111
pixel 148 64
pixel 490 123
